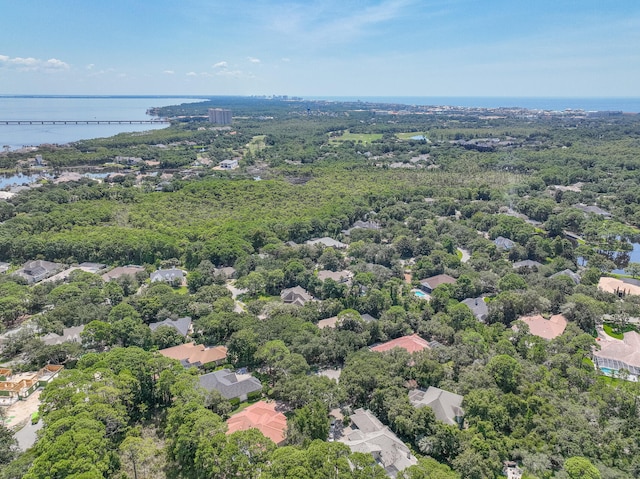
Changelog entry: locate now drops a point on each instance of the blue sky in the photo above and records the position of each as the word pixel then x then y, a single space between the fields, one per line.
pixel 581 48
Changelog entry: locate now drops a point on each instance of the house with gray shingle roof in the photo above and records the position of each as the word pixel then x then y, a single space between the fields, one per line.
pixel 503 243
pixel 367 318
pixel 230 385
pixel 36 271
pixel 296 295
pixel 343 276
pixel 596 210
pixel 168 275
pixel 68 335
pixel 227 272
pixel 567 272
pixel 327 242
pixel 182 325
pixel 429 284
pixel 478 307
pixel 446 406
pixel 527 263
pixel 368 435
pixel 367 225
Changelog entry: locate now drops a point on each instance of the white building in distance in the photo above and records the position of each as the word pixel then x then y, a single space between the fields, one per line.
pixel 219 116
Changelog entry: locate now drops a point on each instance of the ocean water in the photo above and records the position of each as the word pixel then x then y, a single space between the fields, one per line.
pixel 75 108
pixel 629 105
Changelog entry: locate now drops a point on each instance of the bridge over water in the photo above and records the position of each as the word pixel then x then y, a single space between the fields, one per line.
pixel 84 122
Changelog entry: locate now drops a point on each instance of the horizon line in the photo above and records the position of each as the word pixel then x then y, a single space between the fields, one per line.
pixel 311 96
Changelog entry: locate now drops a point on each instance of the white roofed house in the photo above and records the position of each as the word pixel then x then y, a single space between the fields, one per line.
pixel 229 164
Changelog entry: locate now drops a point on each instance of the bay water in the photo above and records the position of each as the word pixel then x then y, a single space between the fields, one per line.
pixel 75 108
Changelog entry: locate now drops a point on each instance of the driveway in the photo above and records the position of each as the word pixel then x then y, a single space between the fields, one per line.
pixel 465 255
pixel 239 306
pixel 235 292
pixel 27 436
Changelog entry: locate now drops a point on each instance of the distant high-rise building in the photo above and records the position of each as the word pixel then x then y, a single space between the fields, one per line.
pixel 219 116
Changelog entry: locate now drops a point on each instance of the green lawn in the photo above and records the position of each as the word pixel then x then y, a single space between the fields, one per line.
pixel 257 143
pixel 356 137
pixel 244 405
pixel 609 380
pixel 609 329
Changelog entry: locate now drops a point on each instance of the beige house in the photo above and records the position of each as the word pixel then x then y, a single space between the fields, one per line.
pixel 545 328
pixel 618 286
pixel 615 355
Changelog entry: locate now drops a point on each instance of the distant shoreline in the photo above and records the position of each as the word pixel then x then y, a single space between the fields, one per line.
pixel 589 104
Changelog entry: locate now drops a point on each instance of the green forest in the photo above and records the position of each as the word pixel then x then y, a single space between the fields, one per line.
pixel 525 213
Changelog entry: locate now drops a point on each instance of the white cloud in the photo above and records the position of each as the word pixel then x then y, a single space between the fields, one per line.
pixel 192 74
pixel 32 64
pixel 90 66
pixel 55 64
pixel 168 72
pixel 253 59
pixel 335 21
pixel 220 65
pixel 286 60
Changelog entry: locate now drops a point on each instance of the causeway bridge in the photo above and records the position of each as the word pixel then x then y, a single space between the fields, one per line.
pixel 84 122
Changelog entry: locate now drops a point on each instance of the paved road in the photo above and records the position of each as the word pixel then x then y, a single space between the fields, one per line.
pixel 239 306
pixel 27 435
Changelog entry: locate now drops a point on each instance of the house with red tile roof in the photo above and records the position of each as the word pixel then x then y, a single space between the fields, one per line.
pixel 192 354
pixel 263 417
pixel 412 343
pixel 545 328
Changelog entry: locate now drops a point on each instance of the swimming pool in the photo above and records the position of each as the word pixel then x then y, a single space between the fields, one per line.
pixel 420 294
pixel 609 371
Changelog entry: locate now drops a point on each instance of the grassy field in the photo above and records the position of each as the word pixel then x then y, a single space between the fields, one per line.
pixel 356 137
pixel 256 144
